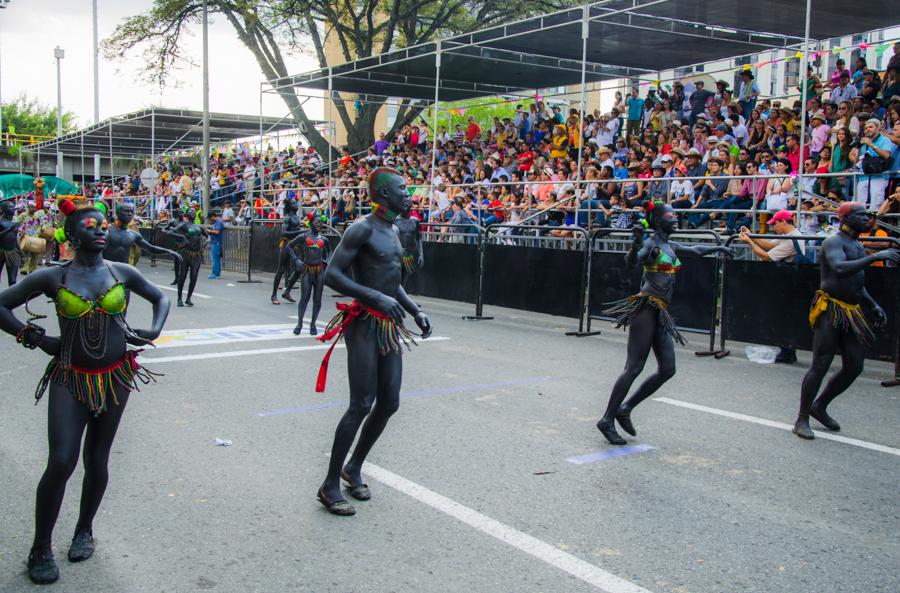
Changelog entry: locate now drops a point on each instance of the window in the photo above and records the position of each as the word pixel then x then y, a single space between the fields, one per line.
pixel 857 39
pixel 391 106
pixel 791 75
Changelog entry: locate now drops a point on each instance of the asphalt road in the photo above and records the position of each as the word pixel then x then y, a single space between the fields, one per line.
pixel 474 484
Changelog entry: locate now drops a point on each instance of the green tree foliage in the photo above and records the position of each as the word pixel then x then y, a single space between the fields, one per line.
pixel 29 116
pixel 272 29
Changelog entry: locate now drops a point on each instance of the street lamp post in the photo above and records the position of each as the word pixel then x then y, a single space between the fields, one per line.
pixel 59 54
pixel 3 4
pixel 96 89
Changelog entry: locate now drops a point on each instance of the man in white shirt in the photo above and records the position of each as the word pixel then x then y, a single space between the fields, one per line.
pixel 606 130
pixel 227 213
pixel 440 204
pixel 844 91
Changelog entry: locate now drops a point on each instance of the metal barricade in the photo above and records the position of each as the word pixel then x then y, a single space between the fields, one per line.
pixel 712 288
pixel 554 260
pixel 805 277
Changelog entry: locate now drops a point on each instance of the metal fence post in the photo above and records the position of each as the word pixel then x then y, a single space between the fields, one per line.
pixel 479 287
pixel 250 279
pixel 585 295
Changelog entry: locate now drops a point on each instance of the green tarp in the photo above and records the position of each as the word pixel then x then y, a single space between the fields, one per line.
pixel 14 185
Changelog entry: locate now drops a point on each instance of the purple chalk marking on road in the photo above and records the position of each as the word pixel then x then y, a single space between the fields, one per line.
pixel 410 395
pixel 609 454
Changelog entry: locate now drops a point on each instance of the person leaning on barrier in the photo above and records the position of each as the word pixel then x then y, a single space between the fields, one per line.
pixel 782 222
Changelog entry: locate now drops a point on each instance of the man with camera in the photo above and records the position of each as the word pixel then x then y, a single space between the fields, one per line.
pixel 876 152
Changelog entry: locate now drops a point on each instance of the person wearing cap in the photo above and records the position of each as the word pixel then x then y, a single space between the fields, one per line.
pixel 633 189
pixel 604 156
pixel 681 190
pixel 819 134
pixel 657 187
pixel 782 223
pixel 695 169
pixel 843 90
pixel 748 92
pixel 699 99
pixel 875 148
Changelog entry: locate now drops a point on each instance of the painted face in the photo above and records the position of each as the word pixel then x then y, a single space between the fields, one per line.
pixel 666 219
pixel 858 220
pixel 394 194
pixel 91 232
pixel 125 213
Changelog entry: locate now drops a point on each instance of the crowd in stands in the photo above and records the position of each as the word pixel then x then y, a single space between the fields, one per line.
pixel 690 146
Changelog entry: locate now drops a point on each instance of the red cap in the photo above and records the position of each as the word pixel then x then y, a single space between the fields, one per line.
pixel 784 215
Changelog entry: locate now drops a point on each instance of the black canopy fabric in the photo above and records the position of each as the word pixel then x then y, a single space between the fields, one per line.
pixel 157 130
pixel 626 38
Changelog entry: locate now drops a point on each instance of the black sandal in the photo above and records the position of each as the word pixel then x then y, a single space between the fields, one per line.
pixel 42 568
pixel 82 547
pixel 357 491
pixel 335 507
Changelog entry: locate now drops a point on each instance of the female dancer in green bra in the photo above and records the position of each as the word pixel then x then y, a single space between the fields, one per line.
pixel 90 375
pixel 650 326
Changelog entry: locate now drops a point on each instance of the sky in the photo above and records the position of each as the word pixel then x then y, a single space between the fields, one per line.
pixel 31 29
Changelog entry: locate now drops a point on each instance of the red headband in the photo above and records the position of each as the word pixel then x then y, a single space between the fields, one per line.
pixel 66 206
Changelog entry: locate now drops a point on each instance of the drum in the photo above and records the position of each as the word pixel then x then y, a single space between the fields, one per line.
pixel 32 244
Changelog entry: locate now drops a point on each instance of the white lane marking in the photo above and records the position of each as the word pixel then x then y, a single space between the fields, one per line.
pixel 772 424
pixel 175 289
pixel 228 335
pixel 216 355
pixel 580 569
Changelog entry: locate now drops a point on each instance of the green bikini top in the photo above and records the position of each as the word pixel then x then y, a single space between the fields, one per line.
pixel 664 264
pixel 71 305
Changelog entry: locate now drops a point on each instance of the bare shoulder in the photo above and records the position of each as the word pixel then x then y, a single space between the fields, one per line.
pixel 124 271
pixel 358 232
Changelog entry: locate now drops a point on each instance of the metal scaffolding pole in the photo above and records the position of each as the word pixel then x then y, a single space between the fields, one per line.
pixel 204 190
pixel 81 151
pixel 585 27
pixel 330 143
pixel 96 86
pixel 112 169
pixel 803 90
pixel 437 85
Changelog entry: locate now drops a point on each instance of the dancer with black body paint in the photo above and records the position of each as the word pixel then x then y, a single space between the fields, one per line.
pixel 410 233
pixel 192 238
pixel 10 256
pixel 291 228
pixel 90 376
pixel 837 319
pixel 312 251
pixel 646 315
pixel 121 239
pixel 367 266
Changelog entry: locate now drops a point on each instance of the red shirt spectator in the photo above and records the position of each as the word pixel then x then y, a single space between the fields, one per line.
pixel 473 130
pixel 526 159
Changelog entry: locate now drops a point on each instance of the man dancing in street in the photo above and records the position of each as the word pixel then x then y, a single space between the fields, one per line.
pixel 837 319
pixel 367 266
